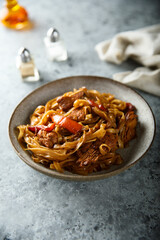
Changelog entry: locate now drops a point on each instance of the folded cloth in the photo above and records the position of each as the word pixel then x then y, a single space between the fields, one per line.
pixel 143 46
pixel 142 78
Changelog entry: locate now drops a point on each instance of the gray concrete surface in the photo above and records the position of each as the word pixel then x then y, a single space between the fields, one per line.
pixel 37 207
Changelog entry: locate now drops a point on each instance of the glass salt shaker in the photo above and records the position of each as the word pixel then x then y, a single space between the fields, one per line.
pixel 56 50
pixel 26 66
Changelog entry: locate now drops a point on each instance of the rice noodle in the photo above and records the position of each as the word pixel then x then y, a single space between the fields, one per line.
pixel 108 124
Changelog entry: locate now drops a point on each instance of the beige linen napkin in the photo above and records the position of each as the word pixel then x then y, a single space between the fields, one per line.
pixel 143 46
pixel 142 78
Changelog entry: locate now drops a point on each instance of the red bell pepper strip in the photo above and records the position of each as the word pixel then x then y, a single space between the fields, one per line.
pixel 57 118
pixel 71 125
pixel 39 127
pixel 93 104
pixel 129 106
pixel 65 122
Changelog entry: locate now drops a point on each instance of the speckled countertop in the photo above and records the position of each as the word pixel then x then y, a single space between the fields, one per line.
pixel 37 207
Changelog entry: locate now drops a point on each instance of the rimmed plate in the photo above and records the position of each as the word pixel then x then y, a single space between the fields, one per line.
pixel 137 147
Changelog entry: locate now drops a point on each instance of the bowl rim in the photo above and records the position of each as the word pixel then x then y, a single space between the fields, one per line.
pixel 76 177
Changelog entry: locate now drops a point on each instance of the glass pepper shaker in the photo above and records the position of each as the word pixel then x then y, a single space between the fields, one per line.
pixel 26 66
pixel 56 50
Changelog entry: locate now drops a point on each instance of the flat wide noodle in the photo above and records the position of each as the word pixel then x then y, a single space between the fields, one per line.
pixel 101 125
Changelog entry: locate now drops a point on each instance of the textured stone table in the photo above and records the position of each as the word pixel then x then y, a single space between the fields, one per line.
pixel 37 207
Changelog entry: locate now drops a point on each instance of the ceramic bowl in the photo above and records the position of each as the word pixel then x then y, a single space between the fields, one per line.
pixel 135 151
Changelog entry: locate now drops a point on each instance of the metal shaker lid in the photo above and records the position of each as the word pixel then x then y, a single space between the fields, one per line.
pixel 24 54
pixel 53 35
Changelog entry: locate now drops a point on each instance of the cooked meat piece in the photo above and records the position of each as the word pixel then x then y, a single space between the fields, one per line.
pixel 82 150
pixel 91 156
pixel 66 102
pixel 86 147
pixel 111 140
pixel 47 139
pixel 77 114
pixel 130 126
pixel 77 95
pixel 131 119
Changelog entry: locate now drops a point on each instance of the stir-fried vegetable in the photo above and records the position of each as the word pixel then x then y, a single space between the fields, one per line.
pixel 67 123
pixel 39 127
pixel 94 104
